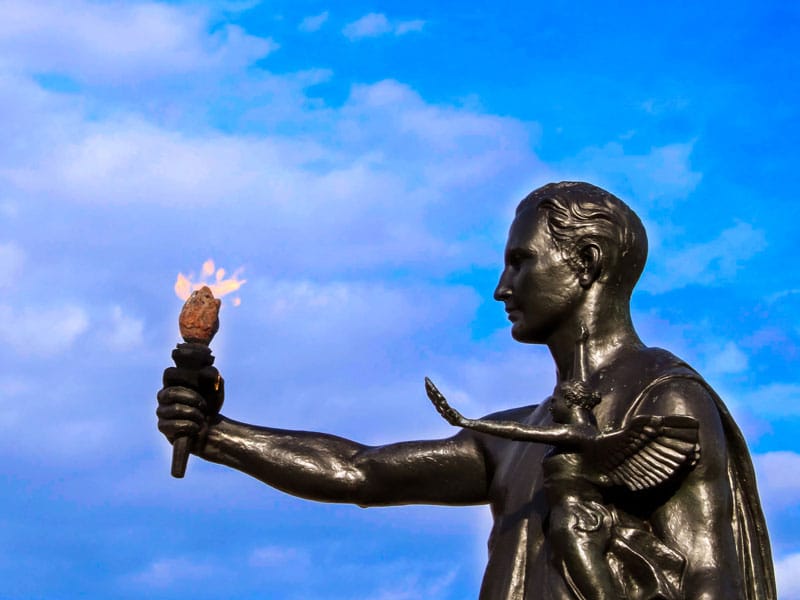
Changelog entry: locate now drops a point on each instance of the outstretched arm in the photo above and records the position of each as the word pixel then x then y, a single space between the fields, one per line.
pixel 565 436
pixel 329 468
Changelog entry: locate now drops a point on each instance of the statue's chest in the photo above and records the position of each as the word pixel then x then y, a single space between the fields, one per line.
pixel 518 470
pixel 616 396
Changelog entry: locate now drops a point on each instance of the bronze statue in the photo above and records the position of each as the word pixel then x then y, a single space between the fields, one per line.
pixel 646 453
pixel 632 480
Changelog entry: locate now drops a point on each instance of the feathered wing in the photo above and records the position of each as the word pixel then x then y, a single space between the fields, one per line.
pixel 647 452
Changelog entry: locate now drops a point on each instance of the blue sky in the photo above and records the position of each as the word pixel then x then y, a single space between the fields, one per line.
pixel 362 163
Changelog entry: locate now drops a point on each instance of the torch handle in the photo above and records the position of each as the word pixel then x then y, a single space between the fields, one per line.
pixel 192 357
pixel 180 456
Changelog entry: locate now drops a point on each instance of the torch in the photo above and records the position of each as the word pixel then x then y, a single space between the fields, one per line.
pixel 198 322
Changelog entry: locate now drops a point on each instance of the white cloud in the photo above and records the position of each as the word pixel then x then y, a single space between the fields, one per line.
pixel 380 163
pixel 123 332
pixel 412 586
pixel 141 158
pixel 336 317
pixel 725 360
pixel 376 24
pixel 371 25
pixel 787 574
pixel 166 572
pixel 119 43
pixel 313 23
pixel 404 27
pixel 42 331
pixel 279 557
pixel 663 174
pixel 706 263
pixel 12 259
pixel 777 485
pixel 451 146
pixel 129 159
pixel 775 400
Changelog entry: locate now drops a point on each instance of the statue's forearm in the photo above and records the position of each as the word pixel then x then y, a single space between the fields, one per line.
pixel 311 465
pixel 328 468
pixel 557 434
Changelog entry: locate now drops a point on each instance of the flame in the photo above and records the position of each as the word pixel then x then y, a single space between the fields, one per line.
pixel 214 278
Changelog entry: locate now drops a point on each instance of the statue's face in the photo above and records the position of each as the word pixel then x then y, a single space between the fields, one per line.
pixel 539 288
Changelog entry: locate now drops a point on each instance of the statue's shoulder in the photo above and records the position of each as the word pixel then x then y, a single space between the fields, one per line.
pixel 641 370
pixel 654 381
pixel 666 385
pixel 653 364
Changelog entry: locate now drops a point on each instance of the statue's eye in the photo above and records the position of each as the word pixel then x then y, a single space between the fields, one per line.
pixel 516 257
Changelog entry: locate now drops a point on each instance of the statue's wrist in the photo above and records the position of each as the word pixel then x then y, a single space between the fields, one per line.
pixel 201 441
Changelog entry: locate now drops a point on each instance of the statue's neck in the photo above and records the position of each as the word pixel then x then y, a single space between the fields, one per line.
pixel 610 333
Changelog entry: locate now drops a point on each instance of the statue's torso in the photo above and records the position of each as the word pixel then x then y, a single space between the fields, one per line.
pixel 520 565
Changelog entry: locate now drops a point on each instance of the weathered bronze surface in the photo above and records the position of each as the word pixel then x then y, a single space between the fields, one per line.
pixel 632 480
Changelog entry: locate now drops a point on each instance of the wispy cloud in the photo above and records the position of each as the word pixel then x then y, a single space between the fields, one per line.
pixel 371 25
pixel 377 24
pixel 403 27
pixel 42 332
pixel 280 557
pixel 384 137
pixel 12 259
pixel 727 359
pixel 411 586
pixel 661 175
pixel 123 331
pixel 313 22
pixel 167 572
pixel 775 399
pixel 119 43
pixel 778 489
pixel 706 263
pixel 787 573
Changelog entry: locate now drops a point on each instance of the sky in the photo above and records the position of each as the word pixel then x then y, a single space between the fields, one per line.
pixel 361 164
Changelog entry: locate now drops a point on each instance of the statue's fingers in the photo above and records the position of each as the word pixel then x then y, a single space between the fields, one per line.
pixel 180 412
pixel 430 389
pixel 173 429
pixel 181 395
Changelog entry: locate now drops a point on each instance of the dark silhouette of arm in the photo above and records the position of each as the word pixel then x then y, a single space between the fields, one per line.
pixel 324 467
pixel 327 468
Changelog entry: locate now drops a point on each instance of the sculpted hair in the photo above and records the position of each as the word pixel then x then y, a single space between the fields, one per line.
pixel 578 213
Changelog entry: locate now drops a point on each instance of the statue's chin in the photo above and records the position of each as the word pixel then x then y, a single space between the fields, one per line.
pixel 525 336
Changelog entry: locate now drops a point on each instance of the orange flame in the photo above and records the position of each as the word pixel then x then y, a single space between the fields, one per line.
pixel 214 278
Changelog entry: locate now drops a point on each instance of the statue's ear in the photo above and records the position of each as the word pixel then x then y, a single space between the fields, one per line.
pixel 591 257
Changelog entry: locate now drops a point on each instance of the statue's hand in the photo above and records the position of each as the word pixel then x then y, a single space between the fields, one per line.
pixel 189 402
pixel 450 414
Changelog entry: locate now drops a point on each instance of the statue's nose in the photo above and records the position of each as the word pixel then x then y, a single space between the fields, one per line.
pixel 503 290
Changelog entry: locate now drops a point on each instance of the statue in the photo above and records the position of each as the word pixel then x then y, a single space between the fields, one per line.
pixel 631 481
pixel 647 452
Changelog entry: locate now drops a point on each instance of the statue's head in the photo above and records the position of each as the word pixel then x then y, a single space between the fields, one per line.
pixel 580 214
pixel 569 241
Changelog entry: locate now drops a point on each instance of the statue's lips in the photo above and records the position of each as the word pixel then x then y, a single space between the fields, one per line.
pixel 513 314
